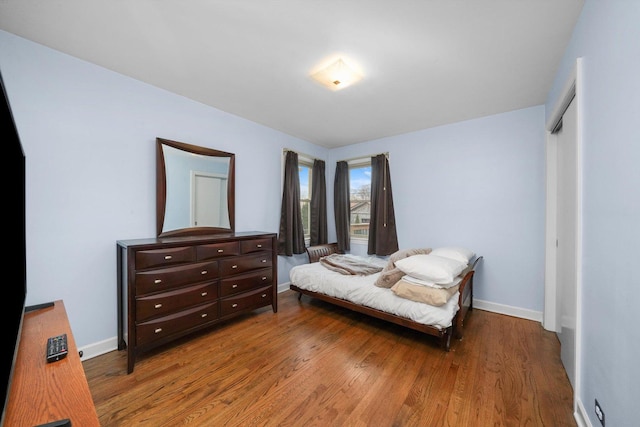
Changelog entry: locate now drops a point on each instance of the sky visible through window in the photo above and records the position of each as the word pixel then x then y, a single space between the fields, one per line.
pixel 357 178
pixel 304 181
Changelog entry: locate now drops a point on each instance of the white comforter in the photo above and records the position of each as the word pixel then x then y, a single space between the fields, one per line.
pixel 362 291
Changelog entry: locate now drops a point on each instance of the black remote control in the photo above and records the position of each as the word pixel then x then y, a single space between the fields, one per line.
pixel 59 423
pixel 57 348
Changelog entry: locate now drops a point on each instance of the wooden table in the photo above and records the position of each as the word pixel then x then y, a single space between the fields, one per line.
pixel 43 392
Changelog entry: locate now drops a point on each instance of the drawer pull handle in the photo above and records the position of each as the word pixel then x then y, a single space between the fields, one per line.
pixel 157 281
pixel 220 251
pixel 264 295
pixel 234 305
pixel 264 277
pixel 204 272
pixel 234 266
pixel 258 246
pixel 234 286
pixel 264 260
pixel 157 306
pixel 168 257
pixel 203 315
pixel 204 294
pixel 158 330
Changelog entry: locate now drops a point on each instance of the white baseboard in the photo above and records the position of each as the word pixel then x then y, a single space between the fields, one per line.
pixel 96 349
pixel 481 305
pixel 111 344
pixel 283 287
pixel 523 313
pixel 581 415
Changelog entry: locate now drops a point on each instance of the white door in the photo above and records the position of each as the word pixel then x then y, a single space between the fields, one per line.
pixel 567 232
pixel 209 207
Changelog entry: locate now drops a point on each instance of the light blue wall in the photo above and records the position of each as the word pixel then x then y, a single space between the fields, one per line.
pixel 89 140
pixel 478 184
pixel 607 38
pixel 91 172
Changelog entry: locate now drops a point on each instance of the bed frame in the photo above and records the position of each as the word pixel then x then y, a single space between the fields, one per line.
pixel 456 329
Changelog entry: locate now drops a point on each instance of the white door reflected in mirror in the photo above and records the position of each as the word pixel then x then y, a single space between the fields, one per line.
pixel 209 200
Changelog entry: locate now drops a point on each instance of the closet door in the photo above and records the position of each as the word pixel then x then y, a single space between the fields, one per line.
pixel 567 232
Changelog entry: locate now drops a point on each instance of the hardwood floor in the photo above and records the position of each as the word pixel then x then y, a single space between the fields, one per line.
pixel 313 364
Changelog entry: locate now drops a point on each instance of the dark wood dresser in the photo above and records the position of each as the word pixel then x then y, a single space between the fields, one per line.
pixel 169 287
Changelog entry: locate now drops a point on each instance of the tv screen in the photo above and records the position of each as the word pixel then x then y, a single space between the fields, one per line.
pixel 14 301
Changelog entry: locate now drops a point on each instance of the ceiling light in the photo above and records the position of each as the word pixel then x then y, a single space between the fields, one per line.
pixel 337 75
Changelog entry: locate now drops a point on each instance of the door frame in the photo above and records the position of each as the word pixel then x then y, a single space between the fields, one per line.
pixel 573 90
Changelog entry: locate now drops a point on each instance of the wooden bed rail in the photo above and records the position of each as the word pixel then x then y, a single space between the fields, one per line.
pixel 318 251
pixel 465 301
pixel 473 267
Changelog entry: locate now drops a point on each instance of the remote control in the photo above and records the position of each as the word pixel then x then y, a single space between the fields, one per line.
pixel 59 423
pixel 57 348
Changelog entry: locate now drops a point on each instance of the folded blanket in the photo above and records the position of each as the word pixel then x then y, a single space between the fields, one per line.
pixel 390 273
pixel 426 294
pixel 349 264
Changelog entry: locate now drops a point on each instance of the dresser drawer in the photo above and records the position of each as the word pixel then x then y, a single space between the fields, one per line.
pixel 217 250
pixel 172 277
pixel 164 257
pixel 246 301
pixel 245 282
pixel 242 264
pixel 255 245
pixel 168 302
pixel 169 288
pixel 161 327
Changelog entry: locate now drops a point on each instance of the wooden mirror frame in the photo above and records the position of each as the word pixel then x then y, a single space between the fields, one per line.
pixel 161 189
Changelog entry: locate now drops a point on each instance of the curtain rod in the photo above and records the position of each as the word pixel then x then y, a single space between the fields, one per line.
pixel 386 154
pixel 300 154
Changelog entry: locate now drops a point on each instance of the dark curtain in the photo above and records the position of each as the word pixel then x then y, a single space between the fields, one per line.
pixel 383 239
pixel 291 237
pixel 341 205
pixel 318 225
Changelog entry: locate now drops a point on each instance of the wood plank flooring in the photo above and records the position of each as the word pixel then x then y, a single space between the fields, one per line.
pixel 314 364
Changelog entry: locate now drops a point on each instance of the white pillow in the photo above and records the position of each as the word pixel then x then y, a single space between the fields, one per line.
pixel 419 282
pixel 432 268
pixel 454 252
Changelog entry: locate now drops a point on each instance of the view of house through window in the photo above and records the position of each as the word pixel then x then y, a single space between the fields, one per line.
pixel 360 198
pixel 304 169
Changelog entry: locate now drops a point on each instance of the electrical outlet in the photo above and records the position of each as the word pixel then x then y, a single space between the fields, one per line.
pixel 599 413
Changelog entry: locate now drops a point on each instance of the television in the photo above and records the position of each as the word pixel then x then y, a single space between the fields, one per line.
pixel 13 302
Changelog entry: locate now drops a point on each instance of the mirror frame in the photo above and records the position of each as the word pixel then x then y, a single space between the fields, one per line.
pixel 161 189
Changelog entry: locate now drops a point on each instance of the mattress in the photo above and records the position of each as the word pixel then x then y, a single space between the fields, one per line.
pixel 362 291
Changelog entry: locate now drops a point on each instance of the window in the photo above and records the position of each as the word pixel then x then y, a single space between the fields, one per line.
pixel 305 166
pixel 360 198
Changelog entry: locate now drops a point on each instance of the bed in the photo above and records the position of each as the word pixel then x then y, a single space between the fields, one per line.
pixel 363 294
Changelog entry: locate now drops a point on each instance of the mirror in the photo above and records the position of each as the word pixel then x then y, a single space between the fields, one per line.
pixel 195 192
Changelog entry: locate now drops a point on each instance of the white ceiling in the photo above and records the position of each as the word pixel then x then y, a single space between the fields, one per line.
pixel 425 62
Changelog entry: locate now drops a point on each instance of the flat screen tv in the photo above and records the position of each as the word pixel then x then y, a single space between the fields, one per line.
pixel 13 302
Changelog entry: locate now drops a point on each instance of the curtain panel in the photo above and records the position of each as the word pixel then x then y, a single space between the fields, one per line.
pixel 383 238
pixel 291 236
pixel 318 226
pixel 341 206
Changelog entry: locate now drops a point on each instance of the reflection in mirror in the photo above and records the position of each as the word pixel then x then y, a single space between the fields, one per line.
pixel 195 193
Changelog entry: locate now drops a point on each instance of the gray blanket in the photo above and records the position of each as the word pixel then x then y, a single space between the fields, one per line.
pixel 349 264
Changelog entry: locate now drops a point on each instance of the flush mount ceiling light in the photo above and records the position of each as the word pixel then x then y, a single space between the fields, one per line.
pixel 337 75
